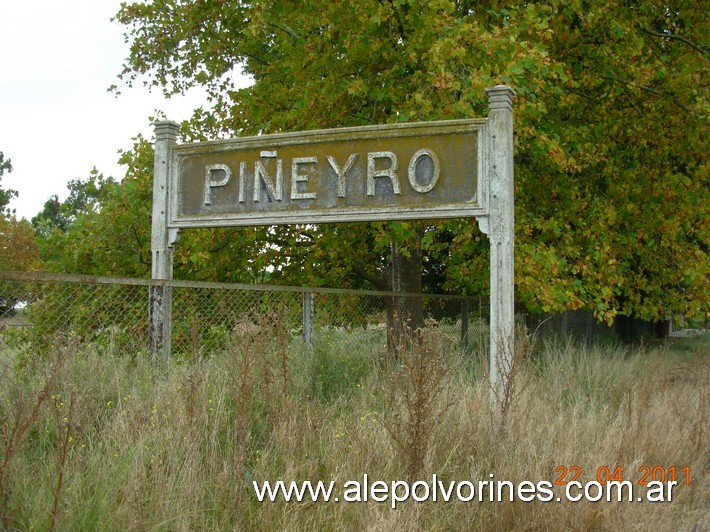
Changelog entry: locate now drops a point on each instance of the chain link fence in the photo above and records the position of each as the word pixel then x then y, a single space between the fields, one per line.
pixel 39 309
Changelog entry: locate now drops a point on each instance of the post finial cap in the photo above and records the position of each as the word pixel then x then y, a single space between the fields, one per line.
pixel 500 97
pixel 166 130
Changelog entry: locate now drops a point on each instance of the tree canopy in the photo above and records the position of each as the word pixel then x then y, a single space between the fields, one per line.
pixel 7 194
pixel 611 127
pixel 18 246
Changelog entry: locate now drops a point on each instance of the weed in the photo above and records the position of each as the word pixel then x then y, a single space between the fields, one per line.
pixel 27 402
pixel 66 427
pixel 413 396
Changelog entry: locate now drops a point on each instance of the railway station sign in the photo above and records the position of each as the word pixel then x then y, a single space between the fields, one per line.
pixel 447 169
pixel 395 172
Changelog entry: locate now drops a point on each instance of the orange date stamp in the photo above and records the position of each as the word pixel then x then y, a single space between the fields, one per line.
pixel 642 477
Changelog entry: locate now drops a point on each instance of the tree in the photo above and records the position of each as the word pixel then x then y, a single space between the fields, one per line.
pixel 5 195
pixel 18 252
pixel 18 246
pixel 611 177
pixel 625 228
pixel 84 197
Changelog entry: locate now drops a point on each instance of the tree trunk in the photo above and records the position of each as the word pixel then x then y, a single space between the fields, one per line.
pixel 405 315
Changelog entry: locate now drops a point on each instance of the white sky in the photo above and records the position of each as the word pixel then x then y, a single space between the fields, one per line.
pixel 57 120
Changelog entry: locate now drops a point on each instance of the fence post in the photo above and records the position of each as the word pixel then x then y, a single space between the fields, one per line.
pixel 501 235
pixel 308 315
pixel 160 295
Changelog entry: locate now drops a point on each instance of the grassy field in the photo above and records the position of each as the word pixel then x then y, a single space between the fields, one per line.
pixel 95 439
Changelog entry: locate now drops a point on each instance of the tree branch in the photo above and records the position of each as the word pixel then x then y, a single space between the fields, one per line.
pixel 655 92
pixel 287 30
pixel 306 234
pixel 225 243
pixel 141 259
pixel 378 282
pixel 701 49
pixel 582 95
pixel 255 58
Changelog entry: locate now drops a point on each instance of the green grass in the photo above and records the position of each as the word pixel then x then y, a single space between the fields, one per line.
pixel 176 447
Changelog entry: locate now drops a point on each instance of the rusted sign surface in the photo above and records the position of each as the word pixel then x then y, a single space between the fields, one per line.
pixel 404 171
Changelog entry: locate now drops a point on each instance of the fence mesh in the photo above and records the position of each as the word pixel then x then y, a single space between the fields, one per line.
pixel 37 310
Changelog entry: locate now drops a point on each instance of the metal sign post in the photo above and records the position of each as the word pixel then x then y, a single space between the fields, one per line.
pixel 447 169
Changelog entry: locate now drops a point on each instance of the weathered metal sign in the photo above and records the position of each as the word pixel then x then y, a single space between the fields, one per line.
pixel 461 168
pixel 396 172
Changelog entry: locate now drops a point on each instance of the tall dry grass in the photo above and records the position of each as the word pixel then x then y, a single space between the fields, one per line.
pixel 108 441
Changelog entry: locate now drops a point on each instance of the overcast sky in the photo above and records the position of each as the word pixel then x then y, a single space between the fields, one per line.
pixel 57 120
